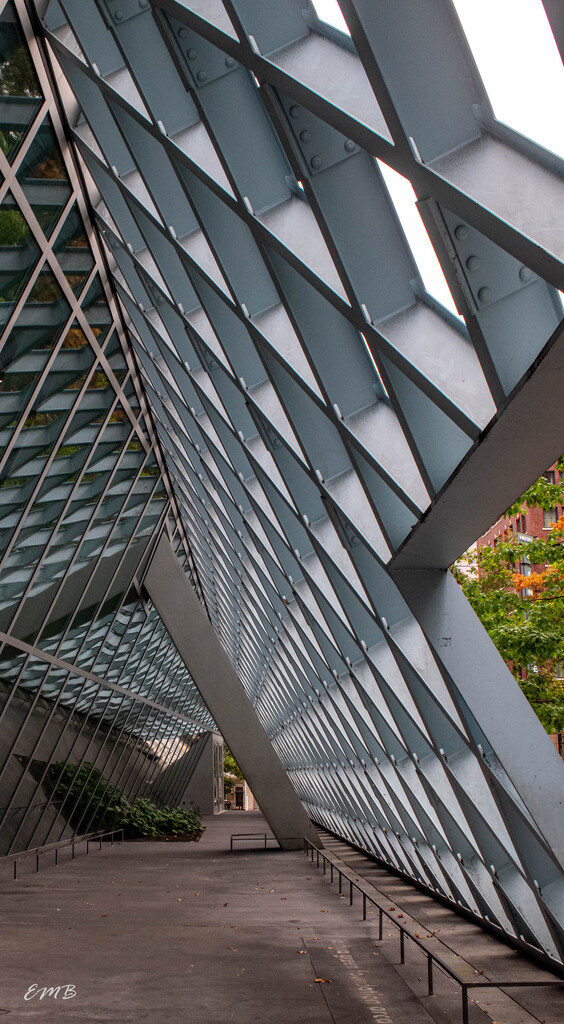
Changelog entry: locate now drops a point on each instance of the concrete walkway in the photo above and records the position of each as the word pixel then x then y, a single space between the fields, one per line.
pixel 187 932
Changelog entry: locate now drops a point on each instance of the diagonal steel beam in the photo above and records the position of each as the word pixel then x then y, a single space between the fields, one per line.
pixel 221 689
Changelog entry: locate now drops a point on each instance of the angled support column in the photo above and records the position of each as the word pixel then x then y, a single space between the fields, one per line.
pixel 212 672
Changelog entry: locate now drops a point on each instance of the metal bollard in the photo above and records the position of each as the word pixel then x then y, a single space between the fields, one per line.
pixel 464 1004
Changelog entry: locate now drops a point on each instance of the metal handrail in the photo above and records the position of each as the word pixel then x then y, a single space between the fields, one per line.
pixel 240 836
pixel 38 851
pixel 432 958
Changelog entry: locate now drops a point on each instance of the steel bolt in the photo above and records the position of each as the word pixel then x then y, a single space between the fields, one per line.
pixel 350 146
pixel 201 76
pixel 192 53
pixel 305 136
pixel 182 33
pixel 472 263
pixel 295 111
pixel 118 16
pixel 316 162
pixel 484 294
pixel 461 231
pixel 525 274
pixel 143 4
pixel 229 62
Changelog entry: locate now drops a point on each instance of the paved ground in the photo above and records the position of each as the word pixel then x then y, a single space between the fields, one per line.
pixel 166 932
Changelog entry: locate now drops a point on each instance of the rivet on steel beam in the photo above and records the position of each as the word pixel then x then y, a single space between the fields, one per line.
pixel 461 231
pixel 484 294
pixel 118 16
pixel 191 53
pixel 472 263
pixel 230 62
pixel 143 4
pixel 350 146
pixel 316 162
pixel 295 111
pixel 182 33
pixel 525 274
pixel 201 76
pixel 305 136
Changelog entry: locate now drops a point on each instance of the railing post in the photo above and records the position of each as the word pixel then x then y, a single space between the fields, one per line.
pixel 37 862
pixel 464 990
pixel 364 906
pixel 340 882
pixel 430 974
pixel 380 922
pixel 350 894
pixel 72 847
pixel 331 872
pixel 100 842
pixel 56 855
pixel 402 946
pixel 15 869
pixel 324 864
pixel 317 851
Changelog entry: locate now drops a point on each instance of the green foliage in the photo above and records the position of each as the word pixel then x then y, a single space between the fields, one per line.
pixel 86 793
pixel 13 228
pixel 17 77
pixel 230 765
pixel 524 615
pixel 93 804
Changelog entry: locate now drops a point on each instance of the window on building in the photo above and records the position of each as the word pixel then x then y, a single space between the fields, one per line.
pixel 550 515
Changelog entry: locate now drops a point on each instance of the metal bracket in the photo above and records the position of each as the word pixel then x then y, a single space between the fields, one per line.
pixel 124 10
pixel 204 61
pixel 320 145
pixel 490 273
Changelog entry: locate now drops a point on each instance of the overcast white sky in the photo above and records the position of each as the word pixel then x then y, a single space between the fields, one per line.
pixel 522 71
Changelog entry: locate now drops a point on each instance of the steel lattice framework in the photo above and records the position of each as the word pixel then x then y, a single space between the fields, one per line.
pixel 87 670
pixel 334 436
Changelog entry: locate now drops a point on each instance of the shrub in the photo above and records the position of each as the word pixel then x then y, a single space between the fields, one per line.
pixel 92 803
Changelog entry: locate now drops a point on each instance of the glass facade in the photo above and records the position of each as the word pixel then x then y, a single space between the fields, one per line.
pixel 88 675
pixel 252 359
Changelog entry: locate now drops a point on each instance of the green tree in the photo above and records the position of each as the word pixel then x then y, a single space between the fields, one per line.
pixel 230 766
pixel 524 614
